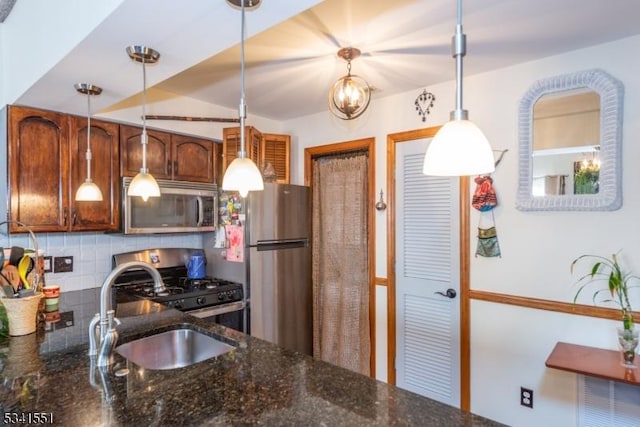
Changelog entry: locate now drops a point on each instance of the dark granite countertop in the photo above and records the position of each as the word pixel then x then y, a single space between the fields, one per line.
pixel 257 383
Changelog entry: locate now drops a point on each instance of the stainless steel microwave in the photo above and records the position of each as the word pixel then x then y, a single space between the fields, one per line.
pixel 183 207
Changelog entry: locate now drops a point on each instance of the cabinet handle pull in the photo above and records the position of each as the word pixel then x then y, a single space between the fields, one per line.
pixel 74 217
pixel 175 167
pixel 169 167
pixel 64 217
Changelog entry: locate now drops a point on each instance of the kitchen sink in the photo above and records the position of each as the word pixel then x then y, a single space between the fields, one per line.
pixel 173 349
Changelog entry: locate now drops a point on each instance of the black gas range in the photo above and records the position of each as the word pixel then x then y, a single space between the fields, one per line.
pixel 219 300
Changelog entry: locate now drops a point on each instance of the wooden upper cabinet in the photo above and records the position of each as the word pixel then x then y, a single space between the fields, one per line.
pixel 38 161
pixel 47 164
pixel 105 173
pixel 261 148
pixel 169 156
pixel 193 159
pixel 276 150
pixel 158 152
pixel 231 144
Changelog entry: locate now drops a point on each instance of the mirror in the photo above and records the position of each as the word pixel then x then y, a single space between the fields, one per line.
pixel 570 132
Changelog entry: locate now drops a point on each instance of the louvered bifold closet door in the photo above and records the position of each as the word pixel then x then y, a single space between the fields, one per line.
pixel 427 261
pixel 275 150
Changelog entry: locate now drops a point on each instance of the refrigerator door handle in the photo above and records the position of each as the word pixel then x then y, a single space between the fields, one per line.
pixel 272 245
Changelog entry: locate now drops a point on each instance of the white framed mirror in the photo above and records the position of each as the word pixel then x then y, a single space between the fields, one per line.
pixel 570 141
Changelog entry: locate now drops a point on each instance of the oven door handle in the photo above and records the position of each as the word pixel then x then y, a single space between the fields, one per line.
pixel 218 309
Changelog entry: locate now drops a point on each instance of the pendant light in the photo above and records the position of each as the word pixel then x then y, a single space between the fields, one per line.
pixel 88 190
pixel 242 174
pixel 459 148
pixel 143 184
pixel 350 95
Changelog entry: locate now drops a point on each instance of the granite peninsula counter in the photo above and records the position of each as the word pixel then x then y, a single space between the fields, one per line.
pixel 49 374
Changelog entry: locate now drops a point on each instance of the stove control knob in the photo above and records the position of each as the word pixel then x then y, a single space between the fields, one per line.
pixel 220 297
pixel 201 300
pixel 177 305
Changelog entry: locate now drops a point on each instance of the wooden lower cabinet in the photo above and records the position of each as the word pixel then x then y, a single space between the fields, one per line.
pixel 47 162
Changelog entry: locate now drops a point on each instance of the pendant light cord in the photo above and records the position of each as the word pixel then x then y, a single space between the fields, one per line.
pixel 459 48
pixel 143 140
pixel 88 154
pixel 242 109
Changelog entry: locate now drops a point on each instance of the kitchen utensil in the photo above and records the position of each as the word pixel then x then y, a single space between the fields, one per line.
pixel 8 291
pixel 24 266
pixel 16 255
pixel 10 273
pixel 22 293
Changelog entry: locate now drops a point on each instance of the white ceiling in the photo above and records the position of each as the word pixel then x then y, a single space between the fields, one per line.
pixel 292 64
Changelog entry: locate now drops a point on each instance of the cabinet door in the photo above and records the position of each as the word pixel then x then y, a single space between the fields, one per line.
pixel 158 152
pixel 105 173
pixel 231 145
pixel 275 150
pixel 38 169
pixel 192 159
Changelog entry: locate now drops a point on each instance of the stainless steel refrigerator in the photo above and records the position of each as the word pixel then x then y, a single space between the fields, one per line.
pixel 276 267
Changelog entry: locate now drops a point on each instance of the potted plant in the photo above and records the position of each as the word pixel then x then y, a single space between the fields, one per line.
pixel 609 271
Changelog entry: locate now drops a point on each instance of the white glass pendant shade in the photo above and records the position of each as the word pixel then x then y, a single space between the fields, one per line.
pixel 88 192
pixel 458 149
pixel 350 97
pixel 242 175
pixel 144 185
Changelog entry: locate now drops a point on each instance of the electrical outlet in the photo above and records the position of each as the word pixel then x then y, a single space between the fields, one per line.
pixel 526 397
pixel 62 264
pixel 48 264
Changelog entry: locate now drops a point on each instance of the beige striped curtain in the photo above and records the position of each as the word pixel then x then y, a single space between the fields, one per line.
pixel 340 262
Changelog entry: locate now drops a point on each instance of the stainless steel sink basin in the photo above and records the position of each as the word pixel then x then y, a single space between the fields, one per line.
pixel 173 349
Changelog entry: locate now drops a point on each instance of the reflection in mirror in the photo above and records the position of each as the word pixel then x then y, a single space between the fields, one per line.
pixel 566 143
pixel 569 136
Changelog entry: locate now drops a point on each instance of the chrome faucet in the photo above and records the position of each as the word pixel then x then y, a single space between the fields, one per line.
pixel 103 335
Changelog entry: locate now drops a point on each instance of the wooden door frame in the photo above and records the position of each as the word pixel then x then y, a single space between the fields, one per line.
pixel 465 333
pixel 362 145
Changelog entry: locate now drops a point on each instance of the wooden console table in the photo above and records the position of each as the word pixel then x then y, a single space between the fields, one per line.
pixel 595 362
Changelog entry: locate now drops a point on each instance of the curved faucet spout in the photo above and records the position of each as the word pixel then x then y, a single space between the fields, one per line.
pixel 105 292
pixel 107 321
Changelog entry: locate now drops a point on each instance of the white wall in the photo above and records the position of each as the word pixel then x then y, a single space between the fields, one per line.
pixel 509 345
pixel 30 50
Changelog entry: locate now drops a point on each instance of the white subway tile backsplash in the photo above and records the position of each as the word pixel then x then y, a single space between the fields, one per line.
pixel 92 252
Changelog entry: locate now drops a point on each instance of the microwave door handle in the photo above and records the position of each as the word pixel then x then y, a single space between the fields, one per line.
pixel 200 217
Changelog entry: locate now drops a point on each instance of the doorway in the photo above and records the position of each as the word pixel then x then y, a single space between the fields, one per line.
pixel 427 273
pixel 341 177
